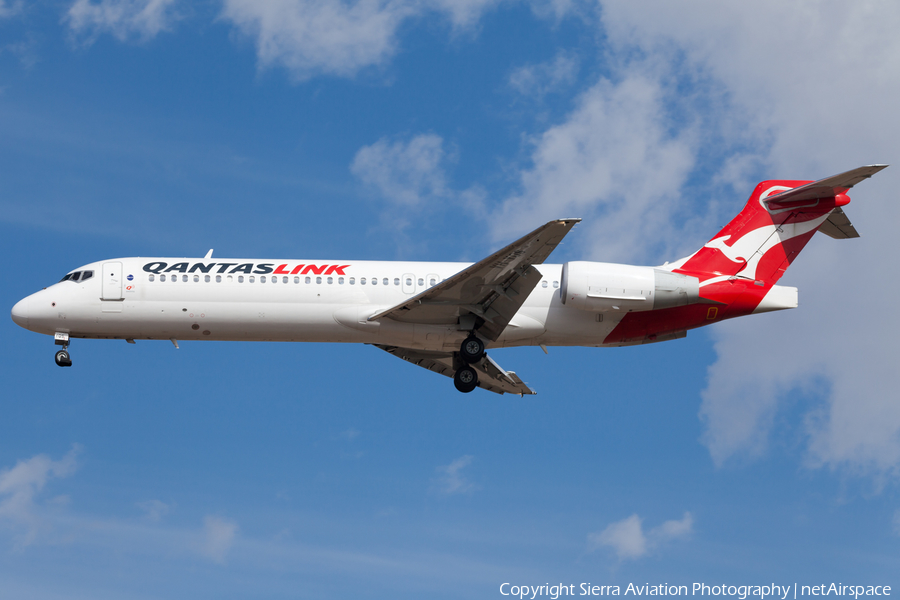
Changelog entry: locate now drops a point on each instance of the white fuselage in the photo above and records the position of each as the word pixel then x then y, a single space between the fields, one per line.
pixel 125 300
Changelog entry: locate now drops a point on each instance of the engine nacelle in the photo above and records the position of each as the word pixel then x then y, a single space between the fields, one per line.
pixel 598 287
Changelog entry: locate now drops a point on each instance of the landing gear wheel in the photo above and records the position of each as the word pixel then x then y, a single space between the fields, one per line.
pixel 62 359
pixel 472 349
pixel 465 379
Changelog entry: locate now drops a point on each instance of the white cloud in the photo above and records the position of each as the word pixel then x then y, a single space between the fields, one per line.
pixel 540 79
pixel 154 510
pixel 451 480
pixel 310 37
pixel 617 161
pixel 349 434
pixel 218 537
pixel 123 19
pixel 463 14
pixel 406 174
pixel 22 483
pixel 8 9
pixel 628 540
pixel 778 66
pixel 313 36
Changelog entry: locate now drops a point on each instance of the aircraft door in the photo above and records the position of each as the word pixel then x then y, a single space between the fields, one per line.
pixel 112 281
pixel 409 283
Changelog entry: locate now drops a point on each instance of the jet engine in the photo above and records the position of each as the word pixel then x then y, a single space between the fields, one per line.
pixel 599 287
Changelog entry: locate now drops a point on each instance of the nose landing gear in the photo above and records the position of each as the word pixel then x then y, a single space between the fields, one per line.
pixel 62 357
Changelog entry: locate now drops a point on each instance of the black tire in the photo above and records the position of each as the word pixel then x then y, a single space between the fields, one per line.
pixel 472 349
pixel 465 379
pixel 62 359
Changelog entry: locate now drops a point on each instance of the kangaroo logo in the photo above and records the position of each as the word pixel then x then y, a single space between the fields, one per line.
pixel 753 245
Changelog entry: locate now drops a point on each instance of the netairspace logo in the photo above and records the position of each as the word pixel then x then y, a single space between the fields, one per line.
pixel 741 592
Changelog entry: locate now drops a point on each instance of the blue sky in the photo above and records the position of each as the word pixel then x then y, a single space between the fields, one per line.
pixel 762 450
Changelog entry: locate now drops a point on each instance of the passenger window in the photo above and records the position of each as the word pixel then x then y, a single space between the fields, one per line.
pixel 375 281
pixel 421 281
pixel 240 279
pixel 161 277
pixel 229 278
pixel 543 284
pixel 386 280
pixel 353 281
pixel 362 281
pixel 308 280
pixel 184 278
pixel 555 284
pixel 296 280
pixel 251 279
pixel 318 280
pixel 330 280
pixel 152 277
pixel 284 279
pixel 340 281
pixel 206 278
pixel 218 279
pixel 196 278
pixel 261 279
pixel 409 281
pixel 396 281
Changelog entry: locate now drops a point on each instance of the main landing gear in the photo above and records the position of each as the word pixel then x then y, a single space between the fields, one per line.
pixel 62 357
pixel 465 379
pixel 470 352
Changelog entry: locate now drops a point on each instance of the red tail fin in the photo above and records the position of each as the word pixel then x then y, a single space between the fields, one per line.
pixel 738 268
pixel 779 219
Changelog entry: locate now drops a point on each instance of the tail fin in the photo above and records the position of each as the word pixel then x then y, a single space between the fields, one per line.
pixel 778 220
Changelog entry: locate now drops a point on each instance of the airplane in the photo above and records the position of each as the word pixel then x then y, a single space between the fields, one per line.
pixel 443 316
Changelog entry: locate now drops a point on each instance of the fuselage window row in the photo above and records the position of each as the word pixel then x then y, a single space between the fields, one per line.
pixel 408 280
pixel 274 279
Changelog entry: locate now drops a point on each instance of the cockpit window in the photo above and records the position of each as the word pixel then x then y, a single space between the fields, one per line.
pixel 78 276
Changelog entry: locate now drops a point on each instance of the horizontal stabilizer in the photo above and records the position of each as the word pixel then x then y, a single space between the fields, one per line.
pixel 838 226
pixel 825 188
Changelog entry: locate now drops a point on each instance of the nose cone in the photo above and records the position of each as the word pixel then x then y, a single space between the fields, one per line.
pixel 20 313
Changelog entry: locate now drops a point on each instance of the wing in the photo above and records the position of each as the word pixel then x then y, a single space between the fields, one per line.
pixel 491 376
pixel 491 290
pixel 825 188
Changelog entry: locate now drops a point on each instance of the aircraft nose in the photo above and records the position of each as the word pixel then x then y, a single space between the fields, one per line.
pixel 20 313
